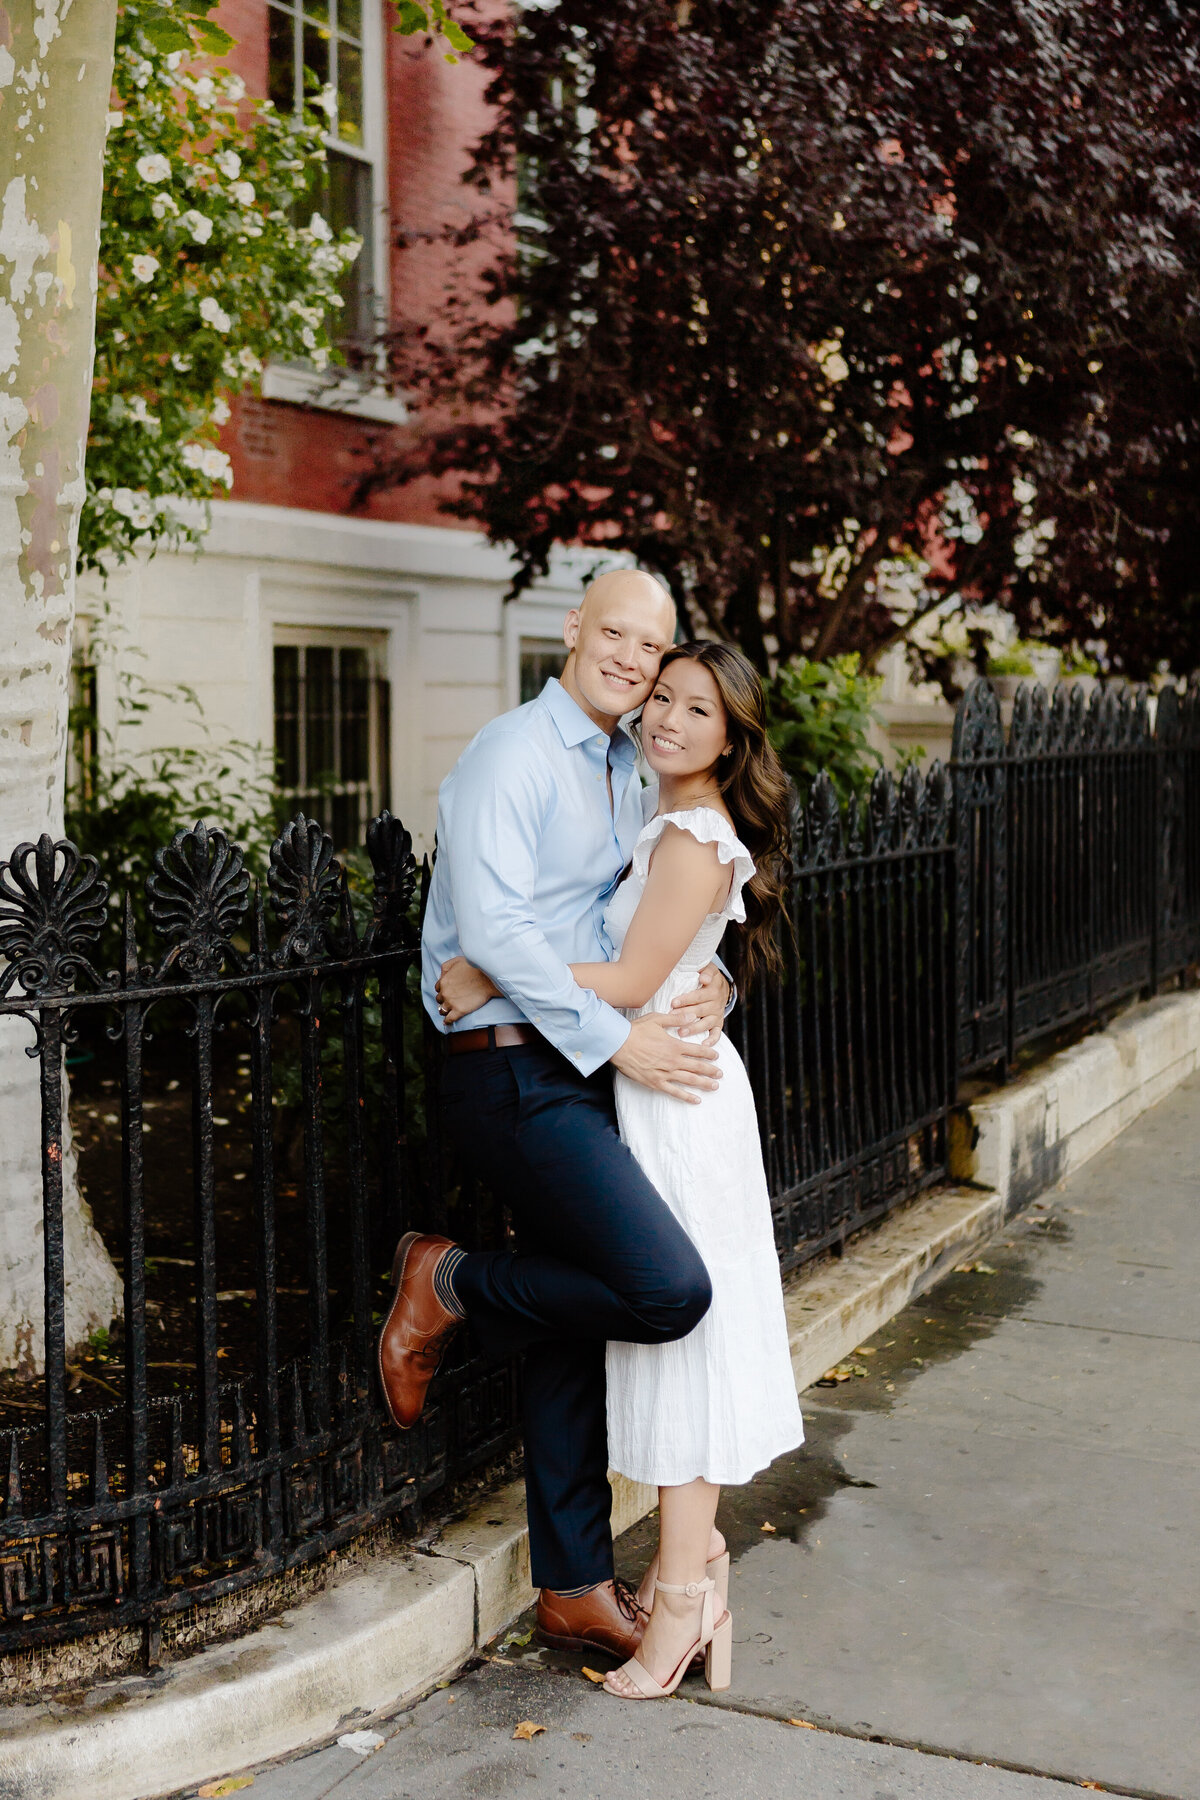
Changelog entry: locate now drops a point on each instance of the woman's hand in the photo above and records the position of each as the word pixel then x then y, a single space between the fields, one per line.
pixel 462 988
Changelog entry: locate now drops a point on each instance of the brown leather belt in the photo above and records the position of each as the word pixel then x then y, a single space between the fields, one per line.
pixel 490 1037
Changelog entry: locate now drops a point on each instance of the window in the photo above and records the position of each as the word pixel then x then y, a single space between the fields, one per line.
pixel 540 659
pixel 316 44
pixel 332 728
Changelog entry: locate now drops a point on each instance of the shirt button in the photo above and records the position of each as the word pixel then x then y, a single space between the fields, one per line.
pixel 578 1056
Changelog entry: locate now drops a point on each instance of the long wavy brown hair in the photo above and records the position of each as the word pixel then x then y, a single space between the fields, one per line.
pixel 755 789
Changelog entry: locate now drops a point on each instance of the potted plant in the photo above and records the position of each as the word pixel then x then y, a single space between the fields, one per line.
pixel 1007 669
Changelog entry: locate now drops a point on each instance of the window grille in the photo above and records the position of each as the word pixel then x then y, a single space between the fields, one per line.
pixel 332 726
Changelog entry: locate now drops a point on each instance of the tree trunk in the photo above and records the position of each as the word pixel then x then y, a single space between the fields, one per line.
pixel 56 61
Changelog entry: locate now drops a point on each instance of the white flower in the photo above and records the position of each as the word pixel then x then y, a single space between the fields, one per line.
pixel 326 101
pixel 198 224
pixel 243 192
pixel 229 163
pixel 310 314
pixel 216 465
pixel 320 358
pixel 162 204
pixel 349 252
pixel 251 226
pixel 319 229
pixel 134 507
pixel 212 312
pixel 235 88
pixel 205 89
pixel 145 268
pixel 308 338
pixel 248 361
pixel 192 456
pixel 181 363
pixel 220 414
pixel 230 369
pixel 174 59
pixel 112 120
pixel 153 167
pixel 140 413
pixel 119 337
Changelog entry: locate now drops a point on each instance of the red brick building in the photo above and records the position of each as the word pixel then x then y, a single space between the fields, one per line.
pixel 365 646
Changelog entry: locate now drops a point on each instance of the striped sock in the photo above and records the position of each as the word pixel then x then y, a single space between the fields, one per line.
pixel 443 1281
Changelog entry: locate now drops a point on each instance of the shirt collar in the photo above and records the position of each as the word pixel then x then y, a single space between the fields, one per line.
pixel 574 726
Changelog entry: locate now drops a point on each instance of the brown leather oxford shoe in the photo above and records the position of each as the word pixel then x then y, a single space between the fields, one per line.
pixel 416 1330
pixel 607 1617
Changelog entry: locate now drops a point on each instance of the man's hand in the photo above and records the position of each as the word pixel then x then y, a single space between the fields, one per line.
pixel 703 1010
pixel 652 1055
pixel 462 988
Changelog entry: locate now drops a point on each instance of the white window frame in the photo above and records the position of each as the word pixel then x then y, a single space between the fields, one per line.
pixel 286 608
pixel 339 389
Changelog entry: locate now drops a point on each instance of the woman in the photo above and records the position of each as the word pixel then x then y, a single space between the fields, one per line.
pixel 720 1404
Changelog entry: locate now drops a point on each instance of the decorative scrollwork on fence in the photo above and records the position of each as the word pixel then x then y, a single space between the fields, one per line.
pixel 305 883
pixel 53 905
pixel 389 847
pixel 198 892
pixel 822 836
pixel 978 733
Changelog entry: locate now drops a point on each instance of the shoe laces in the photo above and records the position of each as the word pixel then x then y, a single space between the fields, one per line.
pixel 628 1601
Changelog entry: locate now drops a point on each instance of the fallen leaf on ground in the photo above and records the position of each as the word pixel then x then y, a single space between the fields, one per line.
pixel 766 1526
pixel 361 1742
pixel 231 1784
pixel 975 1268
pixel 592 1674
pixel 840 1372
pixel 450 1699
pixel 804 1724
pixel 527 1729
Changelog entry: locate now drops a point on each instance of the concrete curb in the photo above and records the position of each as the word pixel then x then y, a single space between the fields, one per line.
pixel 1021 1139
pixel 371 1642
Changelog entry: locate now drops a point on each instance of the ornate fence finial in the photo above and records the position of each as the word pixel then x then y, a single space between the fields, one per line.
pixel 305 881
pixel 53 904
pixel 198 890
pixel 823 822
pixel 936 799
pixel 978 733
pixel 389 847
pixel 881 812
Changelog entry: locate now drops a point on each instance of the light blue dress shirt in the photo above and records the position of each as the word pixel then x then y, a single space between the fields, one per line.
pixel 529 852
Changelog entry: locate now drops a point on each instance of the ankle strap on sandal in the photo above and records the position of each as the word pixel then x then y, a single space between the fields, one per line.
pixel 690 1588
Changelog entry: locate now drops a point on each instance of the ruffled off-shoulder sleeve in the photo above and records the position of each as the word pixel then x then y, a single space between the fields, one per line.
pixel 708 827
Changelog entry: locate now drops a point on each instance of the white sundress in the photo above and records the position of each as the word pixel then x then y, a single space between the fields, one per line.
pixel 720 1403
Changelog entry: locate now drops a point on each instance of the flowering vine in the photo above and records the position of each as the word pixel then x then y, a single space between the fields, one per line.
pixel 210 262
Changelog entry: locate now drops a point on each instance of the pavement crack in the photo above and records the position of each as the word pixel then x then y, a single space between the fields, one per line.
pixel 722 1703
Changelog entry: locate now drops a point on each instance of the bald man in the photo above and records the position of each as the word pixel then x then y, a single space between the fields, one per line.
pixel 536 823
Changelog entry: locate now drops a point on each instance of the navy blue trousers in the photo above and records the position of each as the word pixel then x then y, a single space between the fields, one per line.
pixel 600 1255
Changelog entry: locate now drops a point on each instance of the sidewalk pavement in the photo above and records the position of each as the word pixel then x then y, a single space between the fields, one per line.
pixel 988 1553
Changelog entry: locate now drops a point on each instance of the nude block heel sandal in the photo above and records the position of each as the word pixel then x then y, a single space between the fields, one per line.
pixel 715 1641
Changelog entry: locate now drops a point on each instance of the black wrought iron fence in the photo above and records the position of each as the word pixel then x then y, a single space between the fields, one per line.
pixel 254 1446
pixel 935 928
pixel 1078 847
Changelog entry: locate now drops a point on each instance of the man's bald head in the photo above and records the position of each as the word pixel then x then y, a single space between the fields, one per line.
pixel 635 585
pixel 616 636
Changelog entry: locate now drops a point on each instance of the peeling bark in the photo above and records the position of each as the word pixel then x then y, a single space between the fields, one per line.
pixel 55 78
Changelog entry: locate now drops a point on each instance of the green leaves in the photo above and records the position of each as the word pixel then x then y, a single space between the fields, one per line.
pixel 185 27
pixel 411 17
pixel 212 260
pixel 820 718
